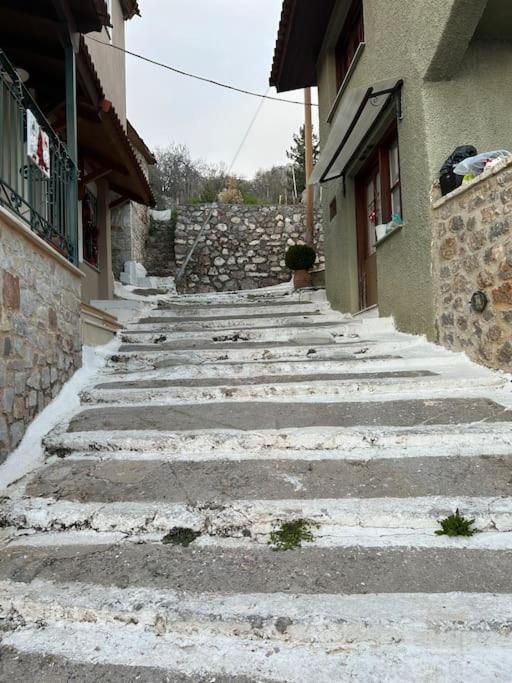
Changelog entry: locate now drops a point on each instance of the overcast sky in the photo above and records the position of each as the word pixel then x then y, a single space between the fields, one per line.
pixel 227 40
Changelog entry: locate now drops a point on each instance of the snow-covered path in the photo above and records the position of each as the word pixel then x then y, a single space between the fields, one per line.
pixel 143 548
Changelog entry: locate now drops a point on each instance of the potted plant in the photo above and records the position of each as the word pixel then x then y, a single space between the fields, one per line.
pixel 300 258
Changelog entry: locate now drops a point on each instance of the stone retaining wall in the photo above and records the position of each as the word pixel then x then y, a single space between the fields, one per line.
pixel 472 252
pixel 40 344
pixel 242 247
pixel 129 230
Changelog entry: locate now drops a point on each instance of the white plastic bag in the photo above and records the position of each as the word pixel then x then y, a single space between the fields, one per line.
pixel 476 165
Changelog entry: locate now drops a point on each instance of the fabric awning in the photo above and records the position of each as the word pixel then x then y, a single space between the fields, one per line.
pixel 358 112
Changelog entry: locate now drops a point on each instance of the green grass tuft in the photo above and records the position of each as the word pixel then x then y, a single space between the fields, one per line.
pixel 290 535
pixel 456 525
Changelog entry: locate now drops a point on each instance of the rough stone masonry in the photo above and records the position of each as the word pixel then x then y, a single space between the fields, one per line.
pixel 242 247
pixel 40 339
pixel 472 252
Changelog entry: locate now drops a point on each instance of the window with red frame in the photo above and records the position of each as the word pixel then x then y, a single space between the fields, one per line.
pixel 351 37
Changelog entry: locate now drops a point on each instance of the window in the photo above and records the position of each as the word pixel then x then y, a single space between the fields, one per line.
pixel 394 182
pixel 333 209
pixel 351 37
pixel 380 186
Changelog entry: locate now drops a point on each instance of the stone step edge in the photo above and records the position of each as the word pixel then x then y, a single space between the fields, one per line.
pixel 341 391
pixel 478 438
pixel 199 655
pixel 256 519
pixel 303 366
pixel 329 537
pixel 297 618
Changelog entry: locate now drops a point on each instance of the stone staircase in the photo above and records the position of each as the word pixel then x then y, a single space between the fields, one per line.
pixel 147 548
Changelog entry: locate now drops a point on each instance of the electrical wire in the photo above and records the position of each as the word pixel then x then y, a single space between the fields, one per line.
pixel 185 263
pixel 199 78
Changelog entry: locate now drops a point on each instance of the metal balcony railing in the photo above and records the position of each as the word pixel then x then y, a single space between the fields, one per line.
pixel 41 190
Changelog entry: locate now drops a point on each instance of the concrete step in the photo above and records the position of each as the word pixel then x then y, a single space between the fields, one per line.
pixel 277 618
pixel 223 480
pixel 20 664
pixel 321 443
pixel 307 333
pixel 289 309
pixel 260 570
pixel 254 416
pixel 405 385
pixel 85 652
pixel 249 523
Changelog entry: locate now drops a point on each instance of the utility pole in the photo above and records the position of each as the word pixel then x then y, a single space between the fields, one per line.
pixel 310 190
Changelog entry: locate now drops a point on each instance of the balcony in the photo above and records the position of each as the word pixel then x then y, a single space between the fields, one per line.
pixel 38 178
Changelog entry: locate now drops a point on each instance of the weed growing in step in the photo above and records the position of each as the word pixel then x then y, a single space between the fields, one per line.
pixel 290 535
pixel 181 536
pixel 456 525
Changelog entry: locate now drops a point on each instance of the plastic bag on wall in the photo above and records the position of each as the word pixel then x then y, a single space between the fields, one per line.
pixel 448 179
pixel 477 164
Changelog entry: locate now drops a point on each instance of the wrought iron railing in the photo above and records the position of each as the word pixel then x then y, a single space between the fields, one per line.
pixel 39 191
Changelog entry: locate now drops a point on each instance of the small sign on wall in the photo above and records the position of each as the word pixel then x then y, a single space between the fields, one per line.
pixel 38 144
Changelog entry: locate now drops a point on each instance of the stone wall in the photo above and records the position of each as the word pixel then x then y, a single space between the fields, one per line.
pixel 472 252
pixel 242 247
pixel 159 259
pixel 40 344
pixel 129 230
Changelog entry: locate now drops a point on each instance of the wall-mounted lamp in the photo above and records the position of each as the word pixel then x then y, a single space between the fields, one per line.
pixel 479 302
pixel 23 74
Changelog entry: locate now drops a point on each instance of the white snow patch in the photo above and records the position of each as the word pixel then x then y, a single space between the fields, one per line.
pixel 29 454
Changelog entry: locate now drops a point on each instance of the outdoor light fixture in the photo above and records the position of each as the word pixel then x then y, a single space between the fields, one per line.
pixel 23 74
pixel 479 302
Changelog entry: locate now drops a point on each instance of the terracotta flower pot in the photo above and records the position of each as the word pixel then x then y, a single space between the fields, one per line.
pixel 301 279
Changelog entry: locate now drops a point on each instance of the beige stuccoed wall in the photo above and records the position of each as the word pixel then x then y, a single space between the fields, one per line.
pixel 414 42
pixel 110 63
pixel 40 341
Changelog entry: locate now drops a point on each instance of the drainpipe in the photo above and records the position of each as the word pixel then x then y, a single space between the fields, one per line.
pixel 310 190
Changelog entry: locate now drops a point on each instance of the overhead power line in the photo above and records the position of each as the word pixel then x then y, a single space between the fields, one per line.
pixel 198 78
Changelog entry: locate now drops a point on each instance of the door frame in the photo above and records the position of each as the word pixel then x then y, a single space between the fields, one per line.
pixel 378 159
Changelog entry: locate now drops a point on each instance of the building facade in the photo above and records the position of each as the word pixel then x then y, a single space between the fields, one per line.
pixel 400 86
pixel 65 162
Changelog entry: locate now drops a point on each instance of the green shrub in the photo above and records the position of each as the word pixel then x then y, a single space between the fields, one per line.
pixel 456 525
pixel 291 535
pixel 300 257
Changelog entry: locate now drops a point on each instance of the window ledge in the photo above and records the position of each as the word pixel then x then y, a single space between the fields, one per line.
pixel 346 81
pixel 393 231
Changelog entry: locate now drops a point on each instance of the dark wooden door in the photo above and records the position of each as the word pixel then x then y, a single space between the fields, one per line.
pixel 369 215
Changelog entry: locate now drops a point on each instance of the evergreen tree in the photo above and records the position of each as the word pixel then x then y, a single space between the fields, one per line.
pixel 297 156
